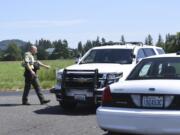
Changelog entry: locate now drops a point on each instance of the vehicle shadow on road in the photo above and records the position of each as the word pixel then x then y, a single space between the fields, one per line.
pixel 9 105
pixel 57 110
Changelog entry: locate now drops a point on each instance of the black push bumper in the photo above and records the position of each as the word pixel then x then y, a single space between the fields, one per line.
pixel 59 97
pixel 80 80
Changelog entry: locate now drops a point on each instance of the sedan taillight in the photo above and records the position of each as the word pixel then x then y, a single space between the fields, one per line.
pixel 106 97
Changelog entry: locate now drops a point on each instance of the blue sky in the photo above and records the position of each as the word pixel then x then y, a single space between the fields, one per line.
pixel 81 20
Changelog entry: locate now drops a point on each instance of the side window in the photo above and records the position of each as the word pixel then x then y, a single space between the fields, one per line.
pixel 90 57
pixel 140 54
pixel 160 51
pixel 177 67
pixel 149 51
pixel 144 70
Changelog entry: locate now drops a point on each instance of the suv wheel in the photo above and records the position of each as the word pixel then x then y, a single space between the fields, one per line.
pixel 67 105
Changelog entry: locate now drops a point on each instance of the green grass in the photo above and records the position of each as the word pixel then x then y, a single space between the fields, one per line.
pixel 11 74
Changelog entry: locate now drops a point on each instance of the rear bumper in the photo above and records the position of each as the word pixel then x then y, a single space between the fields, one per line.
pixel 140 121
pixel 94 99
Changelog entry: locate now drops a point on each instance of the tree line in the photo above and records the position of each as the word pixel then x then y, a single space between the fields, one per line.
pixel 59 49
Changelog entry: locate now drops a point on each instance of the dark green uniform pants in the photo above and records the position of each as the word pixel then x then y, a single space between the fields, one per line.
pixel 35 83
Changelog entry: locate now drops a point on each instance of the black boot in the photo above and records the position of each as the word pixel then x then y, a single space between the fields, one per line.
pixel 45 102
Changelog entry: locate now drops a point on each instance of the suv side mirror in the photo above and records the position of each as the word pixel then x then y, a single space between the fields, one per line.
pixel 133 56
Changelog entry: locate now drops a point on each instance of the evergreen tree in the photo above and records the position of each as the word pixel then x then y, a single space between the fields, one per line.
pixel 146 41
pixel 149 40
pixel 27 46
pixel 160 42
pixel 80 48
pixel 89 45
pixel 56 52
pixel 178 41
pixel 122 39
pixel 103 40
pixel 44 44
pixel 93 43
pixel 97 42
pixel 64 49
pixel 42 54
pixel 170 44
pixel 168 37
pixel 61 50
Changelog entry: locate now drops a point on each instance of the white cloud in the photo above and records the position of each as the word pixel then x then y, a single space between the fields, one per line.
pixel 42 23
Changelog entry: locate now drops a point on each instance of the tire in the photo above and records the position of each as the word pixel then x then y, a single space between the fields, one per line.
pixel 66 105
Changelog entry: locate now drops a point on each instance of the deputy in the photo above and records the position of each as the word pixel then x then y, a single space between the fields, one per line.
pixel 31 78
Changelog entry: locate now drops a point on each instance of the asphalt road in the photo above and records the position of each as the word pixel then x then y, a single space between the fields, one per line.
pixel 36 119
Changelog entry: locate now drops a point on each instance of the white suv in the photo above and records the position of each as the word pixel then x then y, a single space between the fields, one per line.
pixel 100 66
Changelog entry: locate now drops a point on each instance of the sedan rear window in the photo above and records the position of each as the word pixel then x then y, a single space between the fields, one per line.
pixel 157 68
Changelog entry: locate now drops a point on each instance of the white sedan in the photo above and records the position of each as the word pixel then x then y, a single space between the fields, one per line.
pixel 147 102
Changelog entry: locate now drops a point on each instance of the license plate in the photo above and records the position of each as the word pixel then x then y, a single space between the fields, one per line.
pixel 80 97
pixel 152 101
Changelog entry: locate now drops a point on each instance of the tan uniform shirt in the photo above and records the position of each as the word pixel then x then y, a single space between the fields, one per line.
pixel 29 58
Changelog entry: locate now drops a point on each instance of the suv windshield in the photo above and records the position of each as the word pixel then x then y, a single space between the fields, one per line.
pixel 157 68
pixel 121 56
